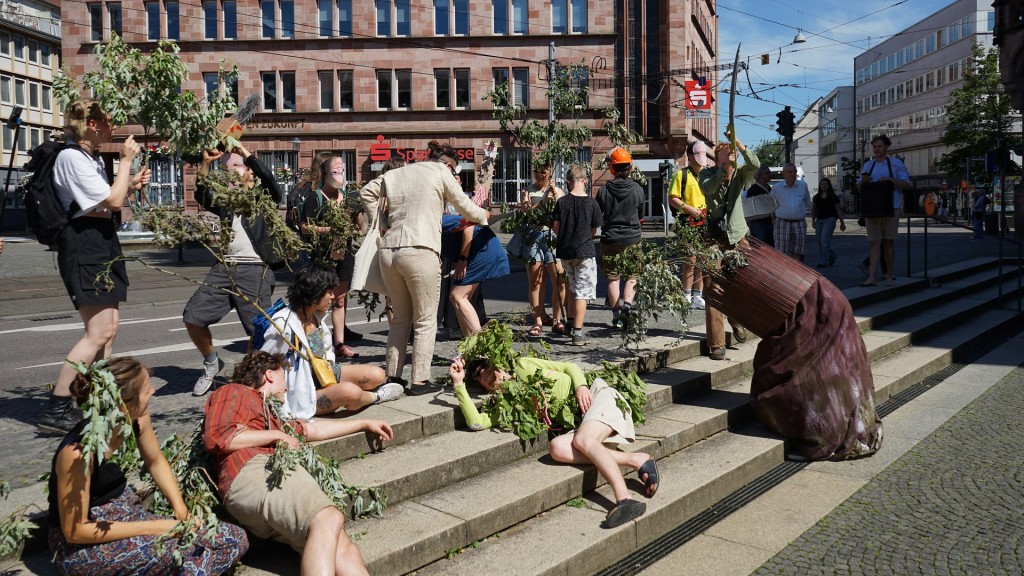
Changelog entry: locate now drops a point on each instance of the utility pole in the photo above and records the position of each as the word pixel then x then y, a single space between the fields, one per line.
pixel 13 121
pixel 556 170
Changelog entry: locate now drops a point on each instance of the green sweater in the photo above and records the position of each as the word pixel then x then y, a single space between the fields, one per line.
pixel 721 200
pixel 567 378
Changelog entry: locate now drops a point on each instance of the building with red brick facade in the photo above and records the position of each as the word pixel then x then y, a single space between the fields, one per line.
pixel 348 76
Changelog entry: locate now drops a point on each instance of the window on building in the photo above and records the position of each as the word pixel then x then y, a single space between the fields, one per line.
pixel 940 77
pixel 383 88
pixel 5 43
pixel 403 26
pixel 940 38
pixel 891 62
pixel 212 82
pixel 461 14
pixel 521 86
pixel 5 89
pixel 95 22
pixel 520 16
pixel 267 18
pixel 230 19
pixel 929 44
pixel 442 15
pixel 33 95
pixel 210 19
pixel 580 83
pixel 965 27
pixel 173 31
pixel 511 174
pixel 152 20
pixel 114 13
pixel 383 17
pixel 403 80
pixel 559 16
pixel 442 88
pixel 269 91
pixel 991 24
pixel 44 55
pixel 33 51
pixel 579 16
pixel 500 23
pixel 326 78
pixel 47 106
pixel 23 140
pixel 8 138
pixel 288 91
pixel 501 78
pixel 34 137
pixel 462 88
pixel 899 59
pixel 19 92
pixel 19 47
pixel 346 92
pixel 345 18
pixel 288 18
pixel 233 89
pixel 325 17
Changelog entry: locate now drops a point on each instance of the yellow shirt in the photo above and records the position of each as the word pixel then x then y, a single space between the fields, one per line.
pixel 692 195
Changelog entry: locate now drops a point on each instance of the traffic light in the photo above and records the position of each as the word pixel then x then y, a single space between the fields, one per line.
pixel 785 123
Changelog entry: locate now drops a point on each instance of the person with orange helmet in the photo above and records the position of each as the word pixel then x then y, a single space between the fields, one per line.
pixel 621 201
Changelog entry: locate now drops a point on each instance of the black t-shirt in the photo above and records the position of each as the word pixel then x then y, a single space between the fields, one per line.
pixel 106 481
pixel 825 207
pixel 577 217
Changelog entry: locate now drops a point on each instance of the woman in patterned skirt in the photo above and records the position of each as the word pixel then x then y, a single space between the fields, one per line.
pixel 98 525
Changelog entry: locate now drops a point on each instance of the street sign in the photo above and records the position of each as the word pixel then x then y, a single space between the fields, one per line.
pixel 698 113
pixel 698 97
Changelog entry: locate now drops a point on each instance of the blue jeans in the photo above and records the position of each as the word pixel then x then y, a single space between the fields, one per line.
pixel 978 224
pixel 824 229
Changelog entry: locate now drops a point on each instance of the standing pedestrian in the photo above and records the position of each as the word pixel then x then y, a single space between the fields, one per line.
pixel 791 216
pixel 245 275
pixel 825 210
pixel 686 197
pixel 979 204
pixel 622 202
pixel 762 228
pixel 539 252
pixel 88 246
pixel 575 222
pixel 882 231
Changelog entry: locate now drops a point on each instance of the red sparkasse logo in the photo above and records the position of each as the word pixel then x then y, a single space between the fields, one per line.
pixel 698 95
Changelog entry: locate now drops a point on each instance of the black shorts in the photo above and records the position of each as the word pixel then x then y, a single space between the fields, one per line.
pixel 210 304
pixel 86 247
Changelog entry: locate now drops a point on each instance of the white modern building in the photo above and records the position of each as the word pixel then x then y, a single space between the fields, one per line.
pixel 902 86
pixel 836 138
pixel 806 135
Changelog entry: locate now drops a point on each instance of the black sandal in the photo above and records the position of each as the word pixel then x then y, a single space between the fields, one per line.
pixel 624 511
pixel 648 474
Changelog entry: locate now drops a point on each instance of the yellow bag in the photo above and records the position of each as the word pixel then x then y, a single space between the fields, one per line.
pixel 323 371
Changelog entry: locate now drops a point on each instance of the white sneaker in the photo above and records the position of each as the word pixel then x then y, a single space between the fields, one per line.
pixel 210 371
pixel 388 392
pixel 697 302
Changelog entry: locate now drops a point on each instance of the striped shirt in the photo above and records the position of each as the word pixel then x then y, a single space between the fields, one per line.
pixel 232 409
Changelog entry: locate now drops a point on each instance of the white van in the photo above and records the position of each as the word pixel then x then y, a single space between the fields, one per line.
pixel 777 174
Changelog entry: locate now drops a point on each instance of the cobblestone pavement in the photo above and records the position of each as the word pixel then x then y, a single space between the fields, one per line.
pixel 951 505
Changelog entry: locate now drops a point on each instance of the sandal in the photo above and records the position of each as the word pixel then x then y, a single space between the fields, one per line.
pixel 648 474
pixel 547 321
pixel 342 350
pixel 559 328
pixel 535 330
pixel 624 511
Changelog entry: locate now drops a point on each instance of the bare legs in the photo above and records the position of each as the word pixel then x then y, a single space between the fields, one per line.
pixel 338 312
pixel 628 292
pixel 585 446
pixel 880 248
pixel 101 322
pixel 460 297
pixel 329 551
pixel 353 390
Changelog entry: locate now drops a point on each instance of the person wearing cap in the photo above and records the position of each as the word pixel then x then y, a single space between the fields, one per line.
pixel 621 201
pixel 687 199
pixel 761 228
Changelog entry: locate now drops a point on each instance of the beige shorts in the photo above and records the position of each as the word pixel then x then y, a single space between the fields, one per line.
pixel 284 513
pixel 883 228
pixel 605 410
pixel 609 251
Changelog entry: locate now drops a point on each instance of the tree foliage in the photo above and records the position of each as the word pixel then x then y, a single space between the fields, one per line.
pixel 975 112
pixel 769 152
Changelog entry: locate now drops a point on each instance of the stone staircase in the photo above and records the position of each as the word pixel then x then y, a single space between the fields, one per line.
pixel 462 502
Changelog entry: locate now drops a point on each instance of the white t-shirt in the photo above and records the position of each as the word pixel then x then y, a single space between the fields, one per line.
pixel 82 179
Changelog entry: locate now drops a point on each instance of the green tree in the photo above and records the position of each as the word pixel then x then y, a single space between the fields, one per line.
pixel 769 152
pixel 974 113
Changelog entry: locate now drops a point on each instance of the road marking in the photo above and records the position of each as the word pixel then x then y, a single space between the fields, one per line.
pixel 156 350
pixel 79 326
pixel 211 326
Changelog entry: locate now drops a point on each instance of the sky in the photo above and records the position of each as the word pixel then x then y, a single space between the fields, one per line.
pixel 799 74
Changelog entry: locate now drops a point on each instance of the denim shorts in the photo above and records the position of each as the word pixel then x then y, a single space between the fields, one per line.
pixel 539 246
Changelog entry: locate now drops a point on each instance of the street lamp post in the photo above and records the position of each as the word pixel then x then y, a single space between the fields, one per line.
pixel 296 142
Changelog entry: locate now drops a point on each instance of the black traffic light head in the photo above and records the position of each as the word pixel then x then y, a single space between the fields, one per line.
pixel 785 123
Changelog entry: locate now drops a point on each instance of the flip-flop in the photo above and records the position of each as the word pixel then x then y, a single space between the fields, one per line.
pixel 624 511
pixel 648 474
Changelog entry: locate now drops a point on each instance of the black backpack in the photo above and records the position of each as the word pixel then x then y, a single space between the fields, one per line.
pixel 295 201
pixel 46 217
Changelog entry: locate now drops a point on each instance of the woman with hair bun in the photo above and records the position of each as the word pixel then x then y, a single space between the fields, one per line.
pixel 98 524
pixel 413 199
pixel 88 246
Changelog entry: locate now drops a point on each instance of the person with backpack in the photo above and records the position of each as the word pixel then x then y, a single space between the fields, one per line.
pixel 622 204
pixel 687 199
pixel 88 251
pixel 245 275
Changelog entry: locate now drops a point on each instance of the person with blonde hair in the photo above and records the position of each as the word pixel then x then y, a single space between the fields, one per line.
pixel 88 247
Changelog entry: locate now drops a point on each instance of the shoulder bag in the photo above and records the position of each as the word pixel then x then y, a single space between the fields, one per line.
pixel 366 274
pixel 877 197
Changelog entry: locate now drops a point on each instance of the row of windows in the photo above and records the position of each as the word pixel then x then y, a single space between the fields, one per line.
pixel 930 81
pixel 394 88
pixel 828 128
pixel 930 43
pixel 13 91
pixel 829 148
pixel 28 138
pixel 922 120
pixel 25 48
pixel 334 18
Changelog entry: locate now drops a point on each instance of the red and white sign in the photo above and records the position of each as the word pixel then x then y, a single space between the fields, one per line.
pixel 380 151
pixel 699 99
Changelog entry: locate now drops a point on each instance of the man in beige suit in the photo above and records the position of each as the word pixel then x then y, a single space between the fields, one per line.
pixel 410 248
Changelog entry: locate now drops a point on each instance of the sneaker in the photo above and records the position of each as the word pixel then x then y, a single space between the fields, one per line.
pixel 421 388
pixel 210 371
pixel 388 392
pixel 579 338
pixel 717 353
pixel 60 416
pixel 617 319
pixel 697 302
